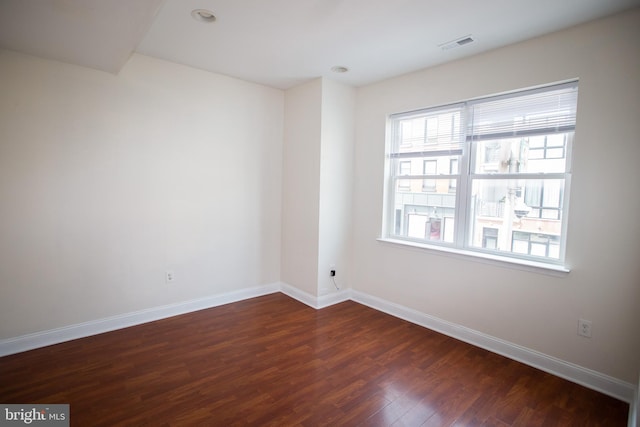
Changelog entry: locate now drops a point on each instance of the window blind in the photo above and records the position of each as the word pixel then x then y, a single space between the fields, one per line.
pixel 543 111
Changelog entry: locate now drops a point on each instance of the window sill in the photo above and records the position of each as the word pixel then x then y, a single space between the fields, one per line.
pixel 514 263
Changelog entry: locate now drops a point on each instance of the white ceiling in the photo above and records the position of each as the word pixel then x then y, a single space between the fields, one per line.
pixel 282 43
pixel 93 33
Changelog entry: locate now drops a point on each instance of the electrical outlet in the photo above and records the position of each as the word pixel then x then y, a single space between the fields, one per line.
pixel 332 270
pixel 584 328
pixel 169 277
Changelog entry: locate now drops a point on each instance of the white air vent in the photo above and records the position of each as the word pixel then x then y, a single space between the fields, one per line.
pixel 457 42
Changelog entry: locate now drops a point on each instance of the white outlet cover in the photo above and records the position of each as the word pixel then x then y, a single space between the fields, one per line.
pixel 584 328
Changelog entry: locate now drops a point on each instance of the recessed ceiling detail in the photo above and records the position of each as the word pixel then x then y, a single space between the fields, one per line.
pixel 339 69
pixel 203 15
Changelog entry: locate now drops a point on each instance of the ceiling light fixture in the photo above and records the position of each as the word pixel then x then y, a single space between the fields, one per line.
pixel 203 15
pixel 339 69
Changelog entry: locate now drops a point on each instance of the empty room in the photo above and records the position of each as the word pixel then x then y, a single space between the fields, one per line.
pixel 319 212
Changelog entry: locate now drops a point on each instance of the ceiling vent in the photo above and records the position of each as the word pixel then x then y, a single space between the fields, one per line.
pixel 462 41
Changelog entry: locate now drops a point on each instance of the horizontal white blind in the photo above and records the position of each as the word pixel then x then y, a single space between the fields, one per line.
pixel 542 111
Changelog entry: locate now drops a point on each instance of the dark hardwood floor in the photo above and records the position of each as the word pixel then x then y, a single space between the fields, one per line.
pixel 274 361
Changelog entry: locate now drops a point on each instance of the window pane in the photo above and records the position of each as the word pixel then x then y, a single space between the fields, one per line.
pixel 554 250
pixel 430 167
pixel 549 214
pixel 520 247
pixel 439 130
pixel 404 168
pixel 502 220
pixel 536 154
pixel 453 170
pixel 551 196
pixel 412 131
pixel 537 141
pixel 544 198
pixel 417 225
pixel 448 229
pixel 426 165
pixel 490 238
pixel 557 140
pixel 533 193
pixel 521 155
pixel 538 249
pixel 425 216
pixel 555 153
pixel 432 129
pixel 404 185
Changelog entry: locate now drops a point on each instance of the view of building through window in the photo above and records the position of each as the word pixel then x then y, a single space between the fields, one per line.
pixel 489 175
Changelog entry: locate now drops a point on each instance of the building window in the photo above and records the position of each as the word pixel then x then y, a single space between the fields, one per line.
pixel 453 171
pixel 507 166
pixel 404 170
pixel 547 147
pixel 544 197
pixel 429 167
pixel 543 245
pixel 489 238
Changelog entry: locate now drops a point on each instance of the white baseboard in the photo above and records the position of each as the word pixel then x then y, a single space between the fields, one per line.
pixel 313 301
pixel 94 327
pixel 577 374
pixel 589 378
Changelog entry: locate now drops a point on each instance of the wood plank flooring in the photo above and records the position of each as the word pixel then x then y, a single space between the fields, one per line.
pixel 274 361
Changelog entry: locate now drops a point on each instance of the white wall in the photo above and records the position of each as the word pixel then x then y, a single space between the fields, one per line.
pixel 336 185
pixel 108 181
pixel 301 186
pixel 534 310
pixel 317 185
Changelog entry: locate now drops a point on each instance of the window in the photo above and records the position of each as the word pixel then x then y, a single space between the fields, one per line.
pixel 544 198
pixel 495 174
pixel 535 244
pixel 490 238
pixel 429 167
pixel 405 169
pixel 453 170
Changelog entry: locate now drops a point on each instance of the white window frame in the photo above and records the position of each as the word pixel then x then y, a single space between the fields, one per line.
pixel 462 244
